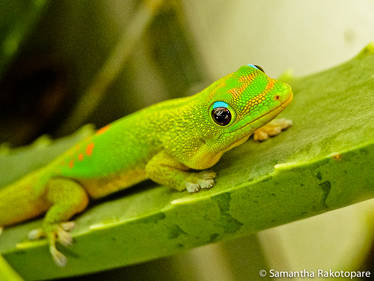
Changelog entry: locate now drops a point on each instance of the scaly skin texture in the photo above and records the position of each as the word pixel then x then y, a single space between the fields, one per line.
pixel 161 142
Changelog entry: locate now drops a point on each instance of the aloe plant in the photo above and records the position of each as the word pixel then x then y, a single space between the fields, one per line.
pixel 322 163
pixel 7 273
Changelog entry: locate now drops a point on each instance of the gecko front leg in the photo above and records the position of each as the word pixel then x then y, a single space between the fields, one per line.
pixel 166 170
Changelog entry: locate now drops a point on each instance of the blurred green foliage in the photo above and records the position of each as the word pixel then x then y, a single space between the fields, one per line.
pixel 17 19
pixel 71 44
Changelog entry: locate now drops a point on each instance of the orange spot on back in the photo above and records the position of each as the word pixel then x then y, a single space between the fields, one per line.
pixel 80 156
pixel 71 164
pixel 102 130
pixel 89 148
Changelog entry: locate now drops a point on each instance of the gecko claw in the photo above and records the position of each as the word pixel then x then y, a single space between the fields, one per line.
pixel 57 256
pixel 204 180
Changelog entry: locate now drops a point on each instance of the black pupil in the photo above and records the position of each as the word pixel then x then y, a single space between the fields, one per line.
pixel 260 68
pixel 221 115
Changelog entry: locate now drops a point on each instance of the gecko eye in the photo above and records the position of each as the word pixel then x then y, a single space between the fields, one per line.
pixel 220 113
pixel 257 67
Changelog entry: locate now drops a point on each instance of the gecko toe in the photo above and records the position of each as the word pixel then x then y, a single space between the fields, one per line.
pixel 206 183
pixel 68 226
pixel 64 237
pixel 36 234
pixel 206 179
pixel 192 187
pixel 57 256
pixel 201 180
pixel 273 128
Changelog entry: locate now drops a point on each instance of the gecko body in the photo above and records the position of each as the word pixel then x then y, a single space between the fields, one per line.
pixel 172 143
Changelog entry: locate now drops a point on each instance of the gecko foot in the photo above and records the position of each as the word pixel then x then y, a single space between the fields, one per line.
pixel 55 232
pixel 57 256
pixel 271 129
pixel 201 180
pixel 61 231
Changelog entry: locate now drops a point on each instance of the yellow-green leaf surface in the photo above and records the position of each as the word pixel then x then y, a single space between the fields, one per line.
pixel 7 273
pixel 325 161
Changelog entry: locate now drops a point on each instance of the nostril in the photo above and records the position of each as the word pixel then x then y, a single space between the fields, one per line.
pixel 277 97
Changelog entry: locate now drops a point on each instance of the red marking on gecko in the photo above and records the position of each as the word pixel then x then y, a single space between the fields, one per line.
pixel 80 156
pixel 89 148
pixel 102 130
pixel 71 164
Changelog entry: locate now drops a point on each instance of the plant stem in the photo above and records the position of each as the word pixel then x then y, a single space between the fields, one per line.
pixel 113 65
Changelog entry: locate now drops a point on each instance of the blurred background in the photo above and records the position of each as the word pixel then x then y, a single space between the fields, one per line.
pixel 66 63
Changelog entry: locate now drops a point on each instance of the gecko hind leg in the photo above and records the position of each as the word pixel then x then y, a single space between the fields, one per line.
pixel 67 198
pixel 273 128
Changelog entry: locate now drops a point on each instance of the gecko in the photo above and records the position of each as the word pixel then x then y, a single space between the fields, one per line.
pixel 173 143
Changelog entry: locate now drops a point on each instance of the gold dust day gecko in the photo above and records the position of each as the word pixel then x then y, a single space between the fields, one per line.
pixel 169 143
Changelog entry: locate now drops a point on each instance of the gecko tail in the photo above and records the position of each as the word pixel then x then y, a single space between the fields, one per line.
pixel 18 194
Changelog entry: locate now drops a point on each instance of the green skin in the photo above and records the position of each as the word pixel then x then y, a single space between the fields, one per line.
pixel 161 142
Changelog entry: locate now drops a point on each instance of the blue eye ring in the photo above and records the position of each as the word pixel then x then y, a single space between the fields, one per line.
pixel 256 67
pixel 222 113
pixel 220 104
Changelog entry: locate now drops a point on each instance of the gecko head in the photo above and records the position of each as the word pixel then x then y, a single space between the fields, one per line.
pixel 241 102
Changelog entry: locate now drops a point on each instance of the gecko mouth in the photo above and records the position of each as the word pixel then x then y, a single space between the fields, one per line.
pixel 281 106
pixel 274 112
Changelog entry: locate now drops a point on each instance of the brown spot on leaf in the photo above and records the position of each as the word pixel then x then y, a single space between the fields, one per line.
pixel 337 157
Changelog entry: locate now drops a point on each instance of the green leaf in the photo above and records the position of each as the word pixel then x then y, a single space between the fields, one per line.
pixel 323 162
pixel 7 273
